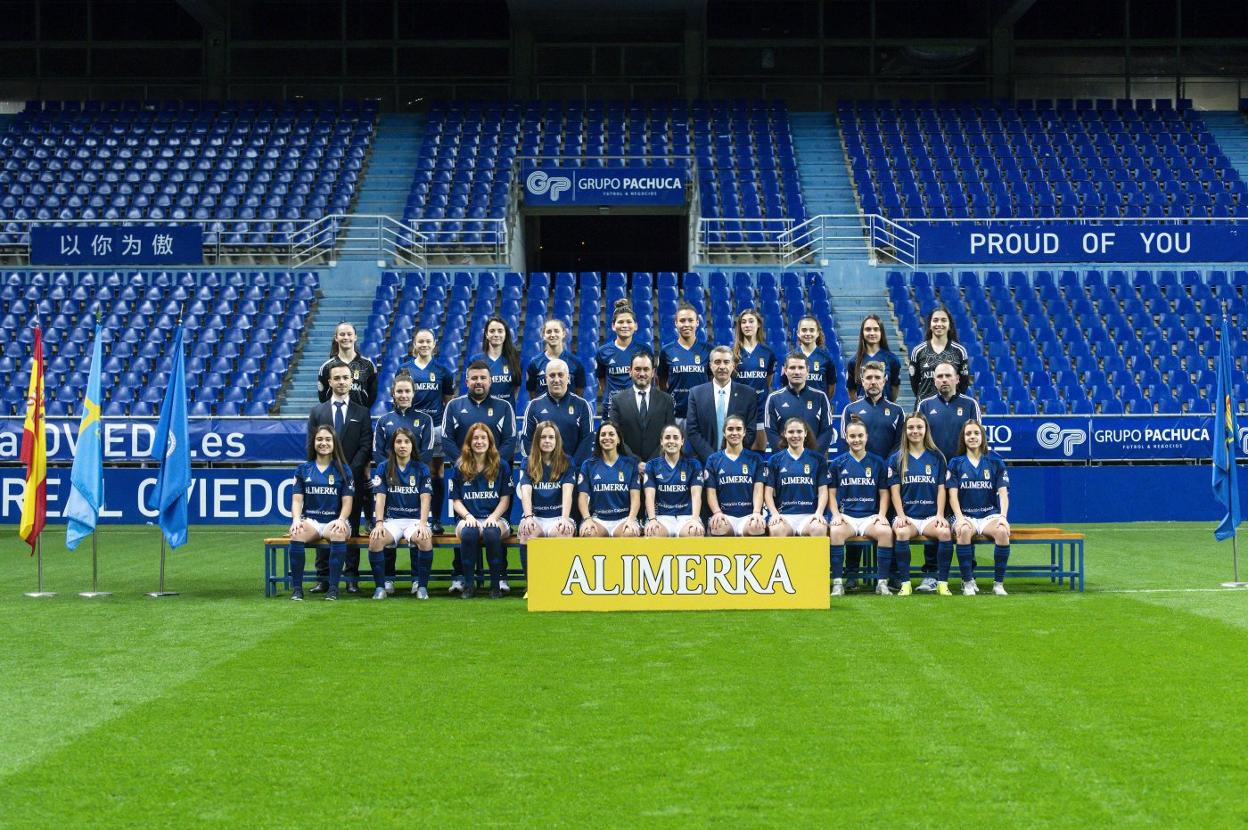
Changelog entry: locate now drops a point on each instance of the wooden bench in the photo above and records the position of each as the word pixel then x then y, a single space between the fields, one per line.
pixel 1065 555
pixel 277 561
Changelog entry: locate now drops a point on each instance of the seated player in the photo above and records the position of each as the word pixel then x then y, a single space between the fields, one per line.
pixel 673 489
pixel 916 483
pixel 480 491
pixel 608 488
pixel 547 483
pixel 979 496
pixel 402 497
pixel 796 491
pixel 859 505
pixel 320 503
pixel 734 485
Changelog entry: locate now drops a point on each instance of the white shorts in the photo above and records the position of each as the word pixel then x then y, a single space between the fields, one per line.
pixel 548 525
pixel 923 525
pixel 675 524
pixel 859 524
pixel 319 527
pixel 738 523
pixel 980 524
pixel 797 521
pixel 611 525
pixel 403 530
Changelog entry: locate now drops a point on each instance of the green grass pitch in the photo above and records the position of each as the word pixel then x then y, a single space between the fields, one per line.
pixel 1122 707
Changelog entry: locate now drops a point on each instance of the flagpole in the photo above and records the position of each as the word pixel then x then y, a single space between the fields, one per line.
pixel 1235 564
pixel 95 573
pixel 40 594
pixel 162 592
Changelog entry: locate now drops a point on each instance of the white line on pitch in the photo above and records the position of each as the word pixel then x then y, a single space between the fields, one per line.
pixel 1162 590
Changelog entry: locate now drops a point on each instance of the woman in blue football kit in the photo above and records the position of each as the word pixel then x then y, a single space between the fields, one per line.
pixel 979 496
pixel 756 364
pixel 547 484
pixel 480 491
pixel 613 359
pixel 554 338
pixel 320 503
pixel 859 503
pixel 810 342
pixel 685 362
pixel 500 354
pixel 435 386
pixel 673 489
pixel 402 494
pixel 796 490
pixel 916 483
pixel 734 485
pixel 873 347
pixel 608 488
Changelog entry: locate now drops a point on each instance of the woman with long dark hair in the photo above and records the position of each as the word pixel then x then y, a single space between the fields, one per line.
pixel 873 346
pixel 320 505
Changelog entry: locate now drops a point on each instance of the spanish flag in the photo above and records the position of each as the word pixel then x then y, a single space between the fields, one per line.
pixel 35 451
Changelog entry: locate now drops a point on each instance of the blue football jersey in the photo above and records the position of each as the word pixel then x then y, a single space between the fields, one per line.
pixel 613 364
pixel 480 496
pixel 432 382
pixel 977 484
pixel 322 490
pixel 733 480
pixel 535 375
pixel 796 481
pixel 925 475
pixel 403 498
pixel 671 483
pixel 681 369
pixel 857 483
pixel 757 369
pixel 502 384
pixel 818 368
pixel 609 486
pixel 547 495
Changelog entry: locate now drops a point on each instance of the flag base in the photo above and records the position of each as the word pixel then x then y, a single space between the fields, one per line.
pixel 159 594
pixel 40 594
pixel 1235 584
pixel 94 594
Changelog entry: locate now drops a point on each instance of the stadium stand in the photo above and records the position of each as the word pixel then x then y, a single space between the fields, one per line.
pixel 1083 342
pixel 242 329
pixel 1038 159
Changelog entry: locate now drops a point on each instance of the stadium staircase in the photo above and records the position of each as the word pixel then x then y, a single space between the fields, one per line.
pixel 346 294
pixel 388 177
pixel 850 309
pixel 823 172
pixel 1231 132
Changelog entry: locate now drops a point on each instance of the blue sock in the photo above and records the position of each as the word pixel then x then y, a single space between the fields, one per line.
pixel 901 555
pixel 470 553
pixel 944 558
pixel 337 554
pixel 838 561
pixel 377 561
pixel 424 564
pixel 392 554
pixel 298 561
pixel 495 554
pixel 1000 558
pixel 966 555
pixel 524 560
pixel 883 561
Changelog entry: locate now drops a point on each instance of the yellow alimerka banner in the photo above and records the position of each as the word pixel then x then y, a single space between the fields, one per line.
pixel 677 574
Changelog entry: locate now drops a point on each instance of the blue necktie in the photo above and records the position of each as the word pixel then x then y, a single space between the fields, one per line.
pixel 339 417
pixel 721 412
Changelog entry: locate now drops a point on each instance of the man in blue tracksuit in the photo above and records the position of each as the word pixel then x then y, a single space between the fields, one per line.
pixel 569 412
pixel 797 399
pixel 883 419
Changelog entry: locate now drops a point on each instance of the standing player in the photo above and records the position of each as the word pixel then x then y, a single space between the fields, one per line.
pixel 673 489
pixel 734 485
pixel 940 345
pixel 756 363
pixel 612 361
pixel 434 385
pixel 554 336
pixel 480 498
pixel 810 343
pixel 979 494
pixel 685 362
pixel 608 488
pixel 499 353
pixel 363 370
pixel 858 500
pixel 547 484
pixel 798 400
pixel 873 346
pixel 796 489
pixel 406 416
pixel 916 481
pixel 402 493
pixel 320 503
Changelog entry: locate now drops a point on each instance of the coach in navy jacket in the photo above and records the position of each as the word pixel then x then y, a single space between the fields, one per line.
pixel 701 424
pixel 478 407
pixel 947 410
pixel 570 413
pixel 797 399
pixel 884 420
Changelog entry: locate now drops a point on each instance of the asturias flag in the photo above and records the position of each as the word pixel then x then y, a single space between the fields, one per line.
pixel 172 446
pixel 35 451
pixel 1225 439
pixel 86 495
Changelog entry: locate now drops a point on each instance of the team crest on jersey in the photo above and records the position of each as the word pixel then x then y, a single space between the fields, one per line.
pixel 356 374
pixel 621 475
pixel 490 412
pixel 745 470
pixel 411 481
pixel 432 376
pixel 810 404
pixel 987 475
pixel 867 472
pixel 570 409
pixel 806 469
pixel 331 479
pixel 959 412
pixel 815 367
pixel 490 484
pixel 697 358
pixel 682 475
pixel 927 469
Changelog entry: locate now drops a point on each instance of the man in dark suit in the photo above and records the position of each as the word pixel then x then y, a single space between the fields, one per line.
pixel 354 427
pixel 711 403
pixel 641 411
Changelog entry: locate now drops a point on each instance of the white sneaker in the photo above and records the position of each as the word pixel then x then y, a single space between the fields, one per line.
pixel 504 587
pixel 389 586
pixel 881 588
pixel 415 588
pixel 927 585
pixel 968 589
pixel 422 593
pixel 838 588
pixel 998 588
pixel 380 593
pixel 457 585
